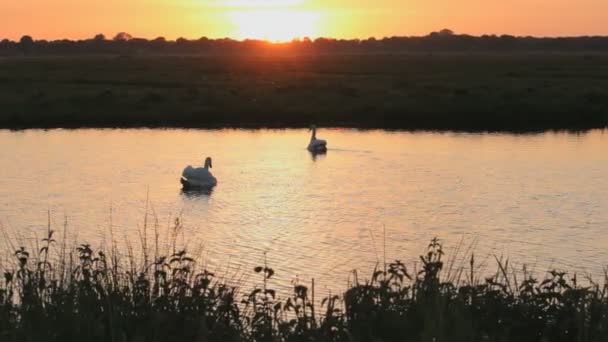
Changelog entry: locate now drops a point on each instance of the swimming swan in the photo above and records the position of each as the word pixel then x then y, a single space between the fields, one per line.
pixel 316 145
pixel 198 178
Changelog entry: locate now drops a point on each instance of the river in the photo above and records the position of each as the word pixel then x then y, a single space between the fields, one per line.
pixel 537 199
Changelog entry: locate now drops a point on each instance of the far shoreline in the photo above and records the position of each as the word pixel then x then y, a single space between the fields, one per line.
pixel 523 131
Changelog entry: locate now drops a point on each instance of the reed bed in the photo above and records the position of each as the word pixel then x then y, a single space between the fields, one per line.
pixel 63 293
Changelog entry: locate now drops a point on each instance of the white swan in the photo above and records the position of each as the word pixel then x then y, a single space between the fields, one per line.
pixel 198 178
pixel 316 145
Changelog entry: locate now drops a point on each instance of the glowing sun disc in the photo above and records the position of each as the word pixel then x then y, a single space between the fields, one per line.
pixel 255 3
pixel 274 25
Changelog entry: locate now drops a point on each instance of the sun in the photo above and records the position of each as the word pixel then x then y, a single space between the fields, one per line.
pixel 275 25
pixel 256 3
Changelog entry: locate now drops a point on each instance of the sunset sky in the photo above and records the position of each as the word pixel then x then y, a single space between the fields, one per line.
pixel 287 19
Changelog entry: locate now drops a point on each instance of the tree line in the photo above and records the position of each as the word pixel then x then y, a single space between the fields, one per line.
pixel 444 40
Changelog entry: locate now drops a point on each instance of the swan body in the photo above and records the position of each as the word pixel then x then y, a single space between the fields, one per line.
pixel 199 177
pixel 316 145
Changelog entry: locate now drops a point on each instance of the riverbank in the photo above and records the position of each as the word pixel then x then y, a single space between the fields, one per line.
pixel 60 293
pixel 445 91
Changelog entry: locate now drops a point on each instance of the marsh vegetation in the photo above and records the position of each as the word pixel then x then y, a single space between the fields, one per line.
pixel 58 293
pixel 442 91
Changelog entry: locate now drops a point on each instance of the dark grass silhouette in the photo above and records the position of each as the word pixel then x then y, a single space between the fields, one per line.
pixel 441 91
pixel 63 294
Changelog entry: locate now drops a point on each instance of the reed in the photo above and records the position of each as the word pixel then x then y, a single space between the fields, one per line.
pixel 58 293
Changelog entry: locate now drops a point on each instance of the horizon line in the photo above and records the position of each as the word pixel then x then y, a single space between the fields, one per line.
pixel 296 39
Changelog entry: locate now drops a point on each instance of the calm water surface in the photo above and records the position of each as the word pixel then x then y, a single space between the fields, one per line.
pixel 537 199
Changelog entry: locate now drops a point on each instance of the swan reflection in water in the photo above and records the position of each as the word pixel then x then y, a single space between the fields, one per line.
pixel 318 155
pixel 196 193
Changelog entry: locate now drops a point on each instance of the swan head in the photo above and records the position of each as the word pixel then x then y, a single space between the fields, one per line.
pixel 208 162
pixel 312 128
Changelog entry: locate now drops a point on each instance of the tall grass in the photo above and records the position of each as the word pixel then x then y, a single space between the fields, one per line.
pixel 58 293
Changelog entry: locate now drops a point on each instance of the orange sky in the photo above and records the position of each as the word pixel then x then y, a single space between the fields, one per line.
pixel 285 19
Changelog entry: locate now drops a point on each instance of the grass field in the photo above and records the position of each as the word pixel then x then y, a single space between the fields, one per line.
pixel 519 92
